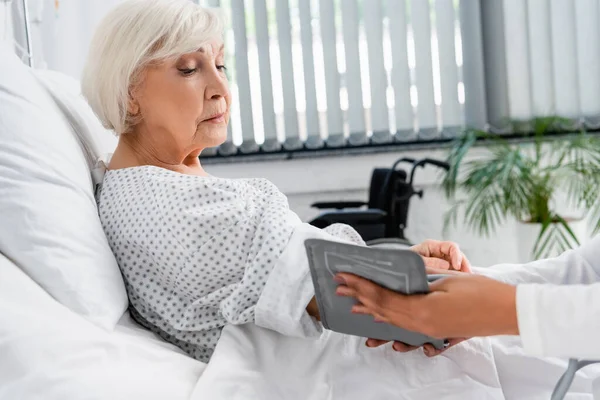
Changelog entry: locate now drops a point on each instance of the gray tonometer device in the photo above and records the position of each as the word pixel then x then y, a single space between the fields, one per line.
pixel 402 271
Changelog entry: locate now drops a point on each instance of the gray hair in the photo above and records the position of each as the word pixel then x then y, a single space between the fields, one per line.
pixel 132 36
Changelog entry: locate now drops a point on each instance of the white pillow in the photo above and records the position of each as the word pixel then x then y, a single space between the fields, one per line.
pixel 49 221
pixel 48 352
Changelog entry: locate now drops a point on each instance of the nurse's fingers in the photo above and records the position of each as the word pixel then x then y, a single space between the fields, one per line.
pixel 361 309
pixel 403 347
pixel 376 342
pixel 378 300
pixel 397 346
pixel 431 351
pixel 384 304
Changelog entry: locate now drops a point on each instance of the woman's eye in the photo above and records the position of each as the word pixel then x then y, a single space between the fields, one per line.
pixel 221 68
pixel 187 71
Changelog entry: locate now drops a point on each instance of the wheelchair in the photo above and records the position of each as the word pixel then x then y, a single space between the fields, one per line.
pixel 382 219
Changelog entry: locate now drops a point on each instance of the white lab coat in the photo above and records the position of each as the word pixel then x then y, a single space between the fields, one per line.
pixel 558 302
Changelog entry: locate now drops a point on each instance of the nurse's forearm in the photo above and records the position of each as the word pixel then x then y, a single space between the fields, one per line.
pixel 572 267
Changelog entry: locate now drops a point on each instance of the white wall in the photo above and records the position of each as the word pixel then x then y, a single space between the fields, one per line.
pixel 60 35
pixel 66 31
pixel 309 180
pixel 6 31
pixel 305 181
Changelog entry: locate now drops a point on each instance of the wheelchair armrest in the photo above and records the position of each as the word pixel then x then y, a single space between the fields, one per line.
pixel 390 243
pixel 339 204
pixel 350 217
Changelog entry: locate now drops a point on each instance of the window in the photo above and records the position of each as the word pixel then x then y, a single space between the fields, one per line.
pixel 544 60
pixel 338 73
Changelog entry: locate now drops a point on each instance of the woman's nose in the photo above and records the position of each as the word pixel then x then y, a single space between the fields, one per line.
pixel 216 87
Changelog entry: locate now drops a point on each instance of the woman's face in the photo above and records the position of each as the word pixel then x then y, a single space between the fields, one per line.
pixel 183 103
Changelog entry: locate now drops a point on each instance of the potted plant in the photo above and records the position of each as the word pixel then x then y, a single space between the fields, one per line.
pixel 523 181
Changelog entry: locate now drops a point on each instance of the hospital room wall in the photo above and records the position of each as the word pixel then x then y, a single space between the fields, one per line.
pixel 305 181
pixel 331 178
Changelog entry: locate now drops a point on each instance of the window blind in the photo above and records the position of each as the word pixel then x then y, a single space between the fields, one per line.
pixel 309 74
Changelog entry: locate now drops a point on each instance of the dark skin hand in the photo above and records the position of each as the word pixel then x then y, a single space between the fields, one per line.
pixel 439 258
pixel 313 309
pixel 457 307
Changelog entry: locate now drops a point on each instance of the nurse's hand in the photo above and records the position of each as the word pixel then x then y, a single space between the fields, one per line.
pixel 439 256
pixel 428 348
pixel 457 307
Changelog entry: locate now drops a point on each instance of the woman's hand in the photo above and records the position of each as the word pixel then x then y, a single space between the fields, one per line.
pixel 442 256
pixel 457 307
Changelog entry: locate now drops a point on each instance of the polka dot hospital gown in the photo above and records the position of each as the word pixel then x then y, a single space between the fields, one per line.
pixel 198 253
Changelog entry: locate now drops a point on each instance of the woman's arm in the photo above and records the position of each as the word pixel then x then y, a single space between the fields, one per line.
pixel 287 303
pixel 289 292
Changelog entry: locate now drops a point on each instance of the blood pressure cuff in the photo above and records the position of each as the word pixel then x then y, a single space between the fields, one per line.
pixel 402 271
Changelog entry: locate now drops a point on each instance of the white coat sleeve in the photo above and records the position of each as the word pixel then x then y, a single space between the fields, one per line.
pixel 579 266
pixel 558 302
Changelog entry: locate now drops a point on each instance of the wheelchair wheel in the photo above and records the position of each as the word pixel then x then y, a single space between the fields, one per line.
pixel 389 243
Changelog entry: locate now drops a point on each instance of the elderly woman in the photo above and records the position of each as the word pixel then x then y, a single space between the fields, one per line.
pixel 197 252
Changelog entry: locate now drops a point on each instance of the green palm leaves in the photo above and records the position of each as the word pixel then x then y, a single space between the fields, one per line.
pixel 521 180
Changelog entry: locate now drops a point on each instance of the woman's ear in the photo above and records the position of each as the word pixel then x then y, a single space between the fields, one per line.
pixel 133 108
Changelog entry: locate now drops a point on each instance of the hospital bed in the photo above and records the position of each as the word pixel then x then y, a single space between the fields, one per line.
pixel 65 332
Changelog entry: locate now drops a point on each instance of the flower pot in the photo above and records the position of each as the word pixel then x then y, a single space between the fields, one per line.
pixel 527 235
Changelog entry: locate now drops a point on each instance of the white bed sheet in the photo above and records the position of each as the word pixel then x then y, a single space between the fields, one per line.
pixel 48 352
pixel 253 363
pixel 526 377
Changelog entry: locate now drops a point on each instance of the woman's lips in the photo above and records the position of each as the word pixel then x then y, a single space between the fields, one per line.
pixel 216 119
